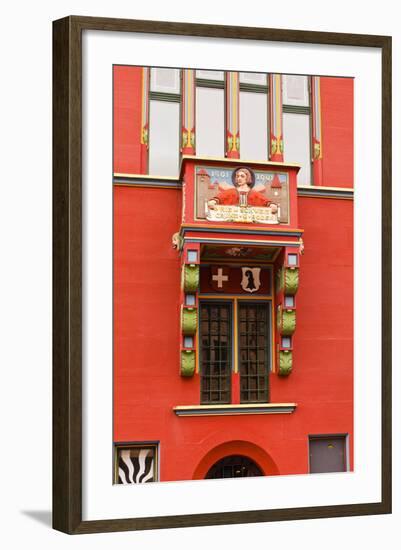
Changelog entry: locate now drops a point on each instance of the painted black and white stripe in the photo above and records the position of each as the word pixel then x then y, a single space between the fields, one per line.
pixel 139 468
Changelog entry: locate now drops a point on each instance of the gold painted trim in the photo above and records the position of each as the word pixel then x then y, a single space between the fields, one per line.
pixel 261 242
pixel 148 186
pixel 273 323
pixel 333 197
pixel 145 104
pixel 197 350
pixel 172 178
pixel 235 328
pixel 319 101
pixel 234 261
pixel 312 187
pixel 213 226
pixel 239 161
pixel 234 297
pixel 239 413
pixel 278 105
pixel 145 176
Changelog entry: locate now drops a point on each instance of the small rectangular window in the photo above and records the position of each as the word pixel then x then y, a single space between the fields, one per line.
pixel 296 128
pixel 295 90
pixel 289 301
pixel 165 80
pixel 286 342
pixel 292 259
pixel 192 256
pixel 136 463
pixel 164 119
pixel 210 122
pixel 253 78
pixel 190 299
pixel 253 125
pixel 210 75
pixel 188 342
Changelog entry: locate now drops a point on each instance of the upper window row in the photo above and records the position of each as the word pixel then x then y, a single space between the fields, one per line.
pixel 211 119
pixel 295 87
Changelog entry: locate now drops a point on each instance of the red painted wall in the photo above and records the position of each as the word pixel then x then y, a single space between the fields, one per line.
pixel 337 104
pixel 127 82
pixel 147 384
pixel 147 381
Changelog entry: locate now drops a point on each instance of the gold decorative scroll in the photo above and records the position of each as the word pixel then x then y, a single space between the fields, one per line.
pixel 248 214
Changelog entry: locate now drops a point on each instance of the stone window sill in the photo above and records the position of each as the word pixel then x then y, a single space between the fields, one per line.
pixel 238 409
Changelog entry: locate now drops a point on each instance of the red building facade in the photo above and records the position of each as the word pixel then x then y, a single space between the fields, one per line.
pixel 233 311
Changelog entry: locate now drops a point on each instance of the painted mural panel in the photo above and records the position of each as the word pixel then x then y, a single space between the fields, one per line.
pixel 241 195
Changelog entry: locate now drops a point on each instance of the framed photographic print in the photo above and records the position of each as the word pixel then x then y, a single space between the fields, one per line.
pixel 222 231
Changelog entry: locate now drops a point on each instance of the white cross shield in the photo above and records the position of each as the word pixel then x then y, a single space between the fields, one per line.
pixel 250 279
pixel 220 277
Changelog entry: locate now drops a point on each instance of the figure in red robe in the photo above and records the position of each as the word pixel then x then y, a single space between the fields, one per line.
pixel 242 193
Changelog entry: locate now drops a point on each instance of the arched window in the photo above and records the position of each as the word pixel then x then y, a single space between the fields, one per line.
pixel 234 466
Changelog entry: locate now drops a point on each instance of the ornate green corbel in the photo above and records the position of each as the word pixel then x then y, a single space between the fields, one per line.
pixel 291 280
pixel 288 322
pixel 189 320
pixel 288 280
pixel 190 277
pixel 187 363
pixel 285 363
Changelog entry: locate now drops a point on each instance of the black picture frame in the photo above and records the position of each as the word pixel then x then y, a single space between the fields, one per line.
pixel 67 273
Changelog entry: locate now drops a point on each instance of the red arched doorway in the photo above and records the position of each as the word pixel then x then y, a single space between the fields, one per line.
pixel 251 452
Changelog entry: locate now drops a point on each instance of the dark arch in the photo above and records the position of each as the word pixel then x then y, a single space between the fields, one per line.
pixel 236 448
pixel 234 466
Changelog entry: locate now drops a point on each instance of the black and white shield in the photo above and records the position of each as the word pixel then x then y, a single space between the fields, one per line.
pixel 250 279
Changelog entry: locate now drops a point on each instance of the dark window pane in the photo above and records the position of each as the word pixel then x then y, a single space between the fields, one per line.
pixel 234 466
pixel 215 353
pixel 254 352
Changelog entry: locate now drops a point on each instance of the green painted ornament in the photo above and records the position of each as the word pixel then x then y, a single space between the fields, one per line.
pixel 285 363
pixel 187 363
pixel 189 320
pixel 190 278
